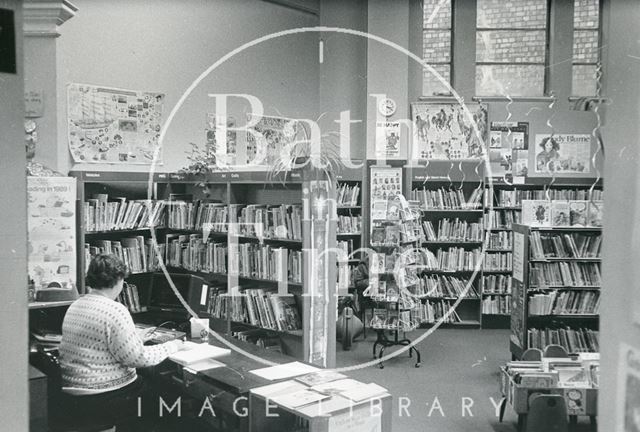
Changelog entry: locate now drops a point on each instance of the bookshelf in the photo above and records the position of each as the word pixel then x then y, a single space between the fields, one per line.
pixel 245 233
pixel 450 200
pixel 502 209
pixel 556 288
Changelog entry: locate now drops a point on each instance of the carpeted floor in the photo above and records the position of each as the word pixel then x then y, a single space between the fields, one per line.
pixel 459 368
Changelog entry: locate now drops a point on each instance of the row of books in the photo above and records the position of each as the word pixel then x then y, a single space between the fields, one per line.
pixel 564 274
pixel 499 240
pixel 444 286
pixel 514 198
pixel 452 230
pixel 260 337
pixel 256 307
pixel 501 219
pixel 192 253
pixel 261 220
pixel 573 340
pixel 102 213
pixel 497 284
pixel 443 198
pixel 346 276
pixel 452 259
pixel 573 245
pixel 501 261
pixel 195 215
pixel 558 213
pixel 346 249
pixel 432 311
pixel 137 253
pixel 349 224
pixel 267 262
pixel 565 303
pixel 347 195
pixel 130 297
pixel 496 305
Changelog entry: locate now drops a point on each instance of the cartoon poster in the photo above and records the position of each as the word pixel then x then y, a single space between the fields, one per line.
pixel 564 153
pixel 628 403
pixel 387 139
pixel 446 131
pixel 114 126
pixel 271 137
pixel 385 183
pixel 221 140
pixel 51 222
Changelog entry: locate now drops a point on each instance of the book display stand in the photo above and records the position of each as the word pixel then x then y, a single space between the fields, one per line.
pixel 395 234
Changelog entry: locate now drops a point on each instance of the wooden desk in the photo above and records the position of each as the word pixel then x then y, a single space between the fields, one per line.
pixel 336 413
pixel 518 395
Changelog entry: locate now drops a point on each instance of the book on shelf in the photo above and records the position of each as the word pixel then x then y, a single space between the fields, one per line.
pixel 379 210
pixel 431 311
pixel 565 303
pixel 573 340
pixel 570 274
pixel 560 213
pixel 566 245
pixel 267 221
pixel 259 261
pixel 392 234
pixel 578 210
pixel 102 213
pixel 191 252
pixel 138 254
pixel 496 305
pixel 497 284
pixel 130 297
pixel 498 261
pixel 502 240
pixel 444 286
pixel 501 219
pixel 349 224
pixel 348 195
pixel 446 199
pixel 596 210
pixel 257 307
pixel 536 213
pixel 453 230
pixel 514 198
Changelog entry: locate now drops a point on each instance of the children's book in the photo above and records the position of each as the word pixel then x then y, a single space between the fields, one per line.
pixel 560 213
pixel 595 213
pixel 536 212
pixel 578 212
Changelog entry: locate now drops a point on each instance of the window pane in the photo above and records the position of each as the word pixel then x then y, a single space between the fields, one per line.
pixel 437 46
pixel 586 14
pixel 512 14
pixel 437 14
pixel 432 85
pixel 585 46
pixel 584 81
pixel 509 46
pixel 512 80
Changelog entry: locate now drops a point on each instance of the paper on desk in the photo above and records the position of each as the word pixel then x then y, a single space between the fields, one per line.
pixel 204 365
pixel 299 398
pixel 364 392
pixel 197 352
pixel 286 370
pixel 337 387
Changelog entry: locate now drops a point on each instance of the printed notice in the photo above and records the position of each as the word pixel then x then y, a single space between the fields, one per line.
pixel 518 256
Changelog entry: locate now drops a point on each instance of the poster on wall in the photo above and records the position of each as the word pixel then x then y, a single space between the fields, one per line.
pixel 385 183
pixel 114 126
pixel 387 139
pixel 445 131
pixel 217 129
pixel 267 138
pixel 628 403
pixel 51 222
pixel 507 141
pixel 563 153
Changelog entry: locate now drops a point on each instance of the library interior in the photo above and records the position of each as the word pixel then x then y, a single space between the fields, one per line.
pixel 351 215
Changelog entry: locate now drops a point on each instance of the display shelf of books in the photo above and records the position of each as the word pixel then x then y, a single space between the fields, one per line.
pixel 349 226
pixel 395 239
pixel 450 277
pixel 557 280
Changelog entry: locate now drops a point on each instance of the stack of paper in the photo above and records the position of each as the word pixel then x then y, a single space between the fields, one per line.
pixel 198 352
pixel 283 371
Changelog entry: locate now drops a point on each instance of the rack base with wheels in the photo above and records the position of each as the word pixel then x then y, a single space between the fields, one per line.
pixel 383 342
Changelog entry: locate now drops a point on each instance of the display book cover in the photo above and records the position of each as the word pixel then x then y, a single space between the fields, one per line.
pixel 558 213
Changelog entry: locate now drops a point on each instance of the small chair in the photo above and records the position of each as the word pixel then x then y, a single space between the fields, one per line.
pixel 532 354
pixel 547 413
pixel 554 350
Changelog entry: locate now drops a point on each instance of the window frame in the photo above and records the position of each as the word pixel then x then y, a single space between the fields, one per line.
pixel 450 29
pixel 600 40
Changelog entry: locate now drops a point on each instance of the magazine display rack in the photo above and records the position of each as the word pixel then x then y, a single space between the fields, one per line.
pixel 395 235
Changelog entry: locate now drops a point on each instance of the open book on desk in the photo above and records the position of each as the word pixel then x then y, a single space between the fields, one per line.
pixel 198 352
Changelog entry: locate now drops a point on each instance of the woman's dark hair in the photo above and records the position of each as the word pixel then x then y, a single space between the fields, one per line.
pixel 105 271
pixel 554 143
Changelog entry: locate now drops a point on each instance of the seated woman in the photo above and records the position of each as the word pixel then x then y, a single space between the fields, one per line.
pixel 100 348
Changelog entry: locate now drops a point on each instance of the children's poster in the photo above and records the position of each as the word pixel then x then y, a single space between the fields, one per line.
pixel 508 141
pixel 564 153
pixel 221 138
pixel 267 138
pixel 446 131
pixel 628 416
pixel 107 125
pixel 387 139
pixel 385 182
pixel 51 221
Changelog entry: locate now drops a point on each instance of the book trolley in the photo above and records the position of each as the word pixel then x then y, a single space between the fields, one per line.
pixel 393 268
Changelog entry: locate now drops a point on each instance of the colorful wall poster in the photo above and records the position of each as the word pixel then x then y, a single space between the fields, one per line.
pixel 563 153
pixel 217 129
pixel 388 139
pixel 385 182
pixel 628 403
pixel 107 125
pixel 51 240
pixel 268 137
pixel 445 131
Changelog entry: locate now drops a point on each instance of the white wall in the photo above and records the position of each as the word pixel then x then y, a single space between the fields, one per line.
pixel 14 410
pixel 164 45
